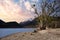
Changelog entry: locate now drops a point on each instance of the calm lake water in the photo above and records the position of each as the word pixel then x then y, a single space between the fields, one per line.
pixel 8 31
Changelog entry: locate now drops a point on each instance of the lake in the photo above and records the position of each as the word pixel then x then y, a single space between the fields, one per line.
pixel 8 31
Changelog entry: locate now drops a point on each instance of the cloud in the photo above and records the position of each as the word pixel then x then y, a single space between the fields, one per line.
pixel 13 12
pixel 27 5
pixel 34 0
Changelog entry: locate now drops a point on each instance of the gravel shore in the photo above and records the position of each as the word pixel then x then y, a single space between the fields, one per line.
pixel 49 34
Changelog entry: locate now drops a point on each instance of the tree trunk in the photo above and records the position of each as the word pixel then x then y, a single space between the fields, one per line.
pixel 55 24
pixel 41 25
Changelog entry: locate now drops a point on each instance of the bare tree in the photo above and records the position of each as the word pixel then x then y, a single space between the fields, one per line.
pixel 47 9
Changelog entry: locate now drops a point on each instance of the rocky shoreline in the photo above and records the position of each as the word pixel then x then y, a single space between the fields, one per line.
pixel 49 34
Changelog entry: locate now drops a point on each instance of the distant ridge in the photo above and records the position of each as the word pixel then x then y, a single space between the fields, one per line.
pixel 26 24
pixel 9 24
pixel 14 24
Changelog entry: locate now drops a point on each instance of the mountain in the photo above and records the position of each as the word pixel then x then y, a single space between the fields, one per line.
pixel 29 24
pixel 9 24
pixel 13 25
pixel 2 23
pixel 26 24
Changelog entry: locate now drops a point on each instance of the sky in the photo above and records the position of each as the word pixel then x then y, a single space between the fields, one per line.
pixel 16 10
